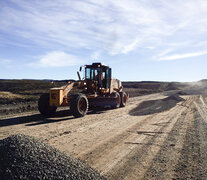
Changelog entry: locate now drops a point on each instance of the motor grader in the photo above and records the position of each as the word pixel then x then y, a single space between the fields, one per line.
pixel 96 89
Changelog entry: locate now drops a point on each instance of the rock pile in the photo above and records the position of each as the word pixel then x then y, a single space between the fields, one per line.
pixel 23 157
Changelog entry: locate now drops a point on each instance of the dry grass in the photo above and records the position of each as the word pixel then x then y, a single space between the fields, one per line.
pixel 9 95
pixel 133 92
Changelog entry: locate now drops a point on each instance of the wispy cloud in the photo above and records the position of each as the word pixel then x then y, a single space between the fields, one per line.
pixel 165 52
pixel 56 59
pixel 182 56
pixel 112 27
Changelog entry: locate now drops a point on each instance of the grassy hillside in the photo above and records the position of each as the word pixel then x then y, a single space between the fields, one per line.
pixel 14 91
pixel 149 87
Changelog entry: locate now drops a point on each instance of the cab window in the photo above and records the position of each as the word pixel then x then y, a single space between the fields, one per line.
pixel 91 73
pixel 88 76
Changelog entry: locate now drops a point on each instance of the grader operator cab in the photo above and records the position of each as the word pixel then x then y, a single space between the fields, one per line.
pixel 96 89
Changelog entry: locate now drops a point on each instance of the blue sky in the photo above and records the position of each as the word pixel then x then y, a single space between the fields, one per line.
pixel 161 40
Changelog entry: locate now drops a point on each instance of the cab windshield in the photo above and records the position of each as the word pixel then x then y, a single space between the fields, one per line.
pixel 92 73
pixel 103 76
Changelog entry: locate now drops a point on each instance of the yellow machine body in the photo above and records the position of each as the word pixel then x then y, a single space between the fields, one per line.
pixel 96 88
pixel 56 96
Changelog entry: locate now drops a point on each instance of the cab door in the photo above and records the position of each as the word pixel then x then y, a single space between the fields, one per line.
pixel 108 78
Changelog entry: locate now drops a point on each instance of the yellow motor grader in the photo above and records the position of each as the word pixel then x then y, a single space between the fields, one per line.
pixel 95 89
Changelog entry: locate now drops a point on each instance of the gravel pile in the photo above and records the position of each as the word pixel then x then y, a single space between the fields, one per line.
pixel 23 157
pixel 156 106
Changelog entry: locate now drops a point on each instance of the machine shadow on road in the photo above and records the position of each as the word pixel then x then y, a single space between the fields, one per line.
pixel 63 116
pixel 156 106
pixel 38 119
pixel 99 110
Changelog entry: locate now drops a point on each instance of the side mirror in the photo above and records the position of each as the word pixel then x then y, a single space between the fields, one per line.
pixel 80 68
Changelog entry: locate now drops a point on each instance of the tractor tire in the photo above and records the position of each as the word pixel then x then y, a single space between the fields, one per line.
pixel 116 101
pixel 79 105
pixel 44 106
pixel 123 97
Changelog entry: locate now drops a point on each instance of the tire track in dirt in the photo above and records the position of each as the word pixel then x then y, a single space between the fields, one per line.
pixel 136 163
pixel 127 165
pixel 114 144
pixel 163 164
pixel 193 159
pixel 102 149
pixel 201 107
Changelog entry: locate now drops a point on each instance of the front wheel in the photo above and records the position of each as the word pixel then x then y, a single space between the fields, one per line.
pixel 44 105
pixel 79 105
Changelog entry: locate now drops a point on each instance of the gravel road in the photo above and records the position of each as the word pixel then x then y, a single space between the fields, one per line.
pixel 123 144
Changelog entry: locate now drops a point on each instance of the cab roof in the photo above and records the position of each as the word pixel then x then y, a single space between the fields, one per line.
pixel 97 65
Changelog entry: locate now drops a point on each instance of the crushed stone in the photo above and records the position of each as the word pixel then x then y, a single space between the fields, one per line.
pixel 24 157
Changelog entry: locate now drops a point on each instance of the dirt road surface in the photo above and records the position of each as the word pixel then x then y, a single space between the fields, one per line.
pixel 123 145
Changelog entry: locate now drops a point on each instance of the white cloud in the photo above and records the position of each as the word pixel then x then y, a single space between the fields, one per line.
pixel 182 56
pixel 201 43
pixel 57 59
pixel 112 27
pixel 165 52
pixel 131 46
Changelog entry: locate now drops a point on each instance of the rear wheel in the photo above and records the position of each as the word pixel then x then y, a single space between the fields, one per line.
pixel 44 106
pixel 79 105
pixel 123 97
pixel 116 101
